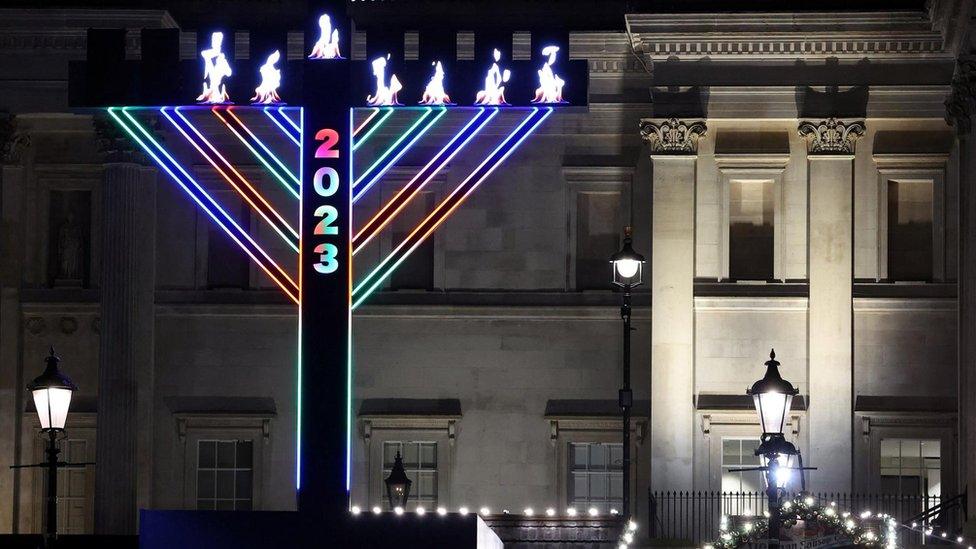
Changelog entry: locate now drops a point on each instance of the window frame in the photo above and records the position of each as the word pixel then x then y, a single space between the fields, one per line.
pixel 192 428
pixel 216 468
pixel 593 180
pixel 608 472
pixel 913 167
pixel 752 167
pixel 875 426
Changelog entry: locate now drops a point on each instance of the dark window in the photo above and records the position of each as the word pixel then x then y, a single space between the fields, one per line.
pixel 227 264
pixel 417 271
pixel 751 230
pixel 598 231
pixel 225 474
pixel 910 230
pixel 596 476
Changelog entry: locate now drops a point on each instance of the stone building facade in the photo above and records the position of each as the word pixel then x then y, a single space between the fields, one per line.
pixel 798 181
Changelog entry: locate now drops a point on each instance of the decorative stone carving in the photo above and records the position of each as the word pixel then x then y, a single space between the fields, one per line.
pixel 962 99
pixel 35 325
pixel 12 142
pixel 116 146
pixel 672 136
pixel 96 325
pixel 831 136
pixel 68 325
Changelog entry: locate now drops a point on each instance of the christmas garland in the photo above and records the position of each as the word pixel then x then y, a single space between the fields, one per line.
pixel 804 507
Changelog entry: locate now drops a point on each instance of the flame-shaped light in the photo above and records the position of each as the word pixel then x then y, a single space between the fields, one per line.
pixel 494 92
pixel 327 46
pixel 434 93
pixel 385 95
pixel 267 92
pixel 215 69
pixel 550 88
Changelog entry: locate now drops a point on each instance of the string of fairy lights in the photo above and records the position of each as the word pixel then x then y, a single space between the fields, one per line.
pixel 837 522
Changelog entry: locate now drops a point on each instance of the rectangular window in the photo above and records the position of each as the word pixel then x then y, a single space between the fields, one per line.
pixel 751 227
pixel 224 475
pixel 227 265
pixel 417 271
pixel 420 464
pixel 595 476
pixel 910 214
pixel 73 500
pixel 598 232
pixel 736 453
pixel 911 467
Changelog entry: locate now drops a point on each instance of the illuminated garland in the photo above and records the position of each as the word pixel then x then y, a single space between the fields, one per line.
pixel 804 507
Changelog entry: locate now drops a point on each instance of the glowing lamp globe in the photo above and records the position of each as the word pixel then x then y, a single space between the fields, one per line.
pixel 52 395
pixel 782 468
pixel 772 396
pixel 627 266
pixel 398 485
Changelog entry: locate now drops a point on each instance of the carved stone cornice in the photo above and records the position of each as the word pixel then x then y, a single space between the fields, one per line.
pixel 114 145
pixel 12 142
pixel 831 136
pixel 672 135
pixel 962 98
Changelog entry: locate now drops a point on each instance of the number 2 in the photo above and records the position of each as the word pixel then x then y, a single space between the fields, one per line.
pixel 329 138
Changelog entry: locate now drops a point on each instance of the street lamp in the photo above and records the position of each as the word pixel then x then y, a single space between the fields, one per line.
pixel 773 397
pixel 398 485
pixel 626 273
pixel 52 397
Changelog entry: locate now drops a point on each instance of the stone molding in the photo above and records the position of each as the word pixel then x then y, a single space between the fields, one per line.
pixel 114 145
pixel 961 103
pixel 672 135
pixel 831 136
pixel 771 36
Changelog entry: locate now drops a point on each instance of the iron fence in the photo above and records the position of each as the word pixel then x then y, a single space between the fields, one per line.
pixel 694 517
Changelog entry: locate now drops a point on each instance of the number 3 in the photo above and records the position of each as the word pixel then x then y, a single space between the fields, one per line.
pixel 328 263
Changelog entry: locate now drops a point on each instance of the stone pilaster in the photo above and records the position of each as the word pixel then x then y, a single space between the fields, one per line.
pixel 830 167
pixel 674 157
pixel 960 107
pixel 127 281
pixel 13 142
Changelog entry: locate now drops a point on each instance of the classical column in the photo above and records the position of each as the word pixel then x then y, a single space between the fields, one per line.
pixel 674 155
pixel 127 280
pixel 960 107
pixel 13 142
pixel 830 156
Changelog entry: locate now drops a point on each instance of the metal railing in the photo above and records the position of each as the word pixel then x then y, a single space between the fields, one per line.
pixel 694 517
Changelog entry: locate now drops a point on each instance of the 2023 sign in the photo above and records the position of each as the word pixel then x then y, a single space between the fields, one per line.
pixel 326 184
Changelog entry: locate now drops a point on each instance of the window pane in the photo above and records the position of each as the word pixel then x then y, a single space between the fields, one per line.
pixel 205 484
pixel 616 456
pixel 390 450
pixel 243 505
pixel 616 486
pixel 245 454
pixel 598 231
pixel 580 488
pixel 207 456
pixel 205 504
pixel 243 484
pixel 731 451
pixel 598 459
pixel 578 453
pixel 417 270
pixel 599 486
pixel 410 455
pixel 910 230
pixel 225 484
pixel 428 455
pixel 225 453
pixel 751 230
pixel 225 505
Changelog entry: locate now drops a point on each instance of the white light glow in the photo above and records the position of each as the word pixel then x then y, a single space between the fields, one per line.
pixel 550 512
pixel 377 510
pixel 614 512
pixel 267 92
pixel 52 406
pixel 355 510
pixel 528 512
pixel 593 511
pixel 550 88
pixel 327 46
pixel 434 93
pixel 628 537
pixel 385 95
pixel 441 511
pixel 463 510
pixel 626 268
pixel 398 510
pixel 494 91
pixel 484 511
pixel 421 511
pixel 215 69
pixel 571 511
pixel 632 526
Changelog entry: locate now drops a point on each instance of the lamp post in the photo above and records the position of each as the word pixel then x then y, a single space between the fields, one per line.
pixel 626 273
pixel 52 397
pixel 398 485
pixel 773 397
